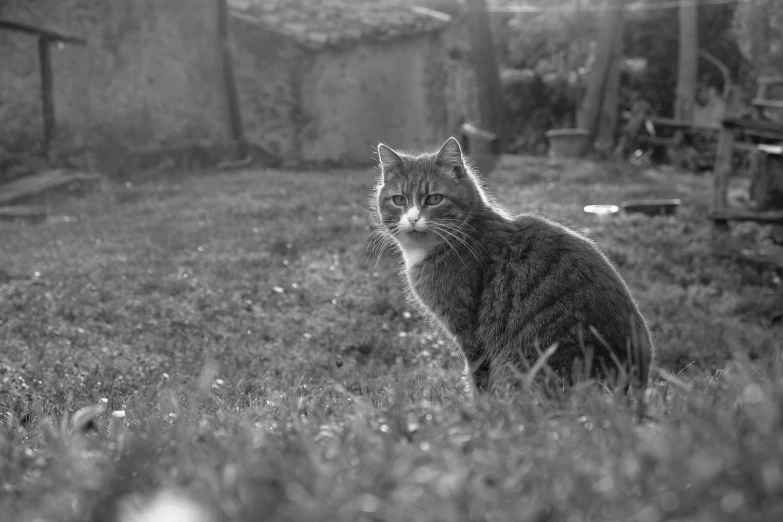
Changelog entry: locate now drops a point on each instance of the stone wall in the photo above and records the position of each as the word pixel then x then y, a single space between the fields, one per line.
pixel 148 77
pixel 269 72
pixel 390 91
pixel 461 85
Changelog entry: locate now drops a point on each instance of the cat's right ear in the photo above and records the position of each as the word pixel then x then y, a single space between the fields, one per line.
pixel 450 156
pixel 390 161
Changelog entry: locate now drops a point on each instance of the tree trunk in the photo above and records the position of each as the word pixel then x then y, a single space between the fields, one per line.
pixel 687 66
pixel 233 111
pixel 590 111
pixel 490 91
pixel 607 122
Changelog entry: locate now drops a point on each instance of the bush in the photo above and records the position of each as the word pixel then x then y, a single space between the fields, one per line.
pixel 534 104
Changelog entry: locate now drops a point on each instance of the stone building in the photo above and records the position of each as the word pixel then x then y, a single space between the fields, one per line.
pixel 319 82
pixel 323 81
pixel 148 75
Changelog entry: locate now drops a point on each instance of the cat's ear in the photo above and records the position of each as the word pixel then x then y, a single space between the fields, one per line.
pixel 450 155
pixel 389 160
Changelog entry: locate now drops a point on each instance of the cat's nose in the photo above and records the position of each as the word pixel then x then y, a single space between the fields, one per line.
pixel 413 219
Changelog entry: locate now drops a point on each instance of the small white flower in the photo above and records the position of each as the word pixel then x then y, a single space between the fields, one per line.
pixel 278 289
pixel 104 400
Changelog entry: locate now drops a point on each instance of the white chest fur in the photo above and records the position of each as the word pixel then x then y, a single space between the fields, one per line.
pixel 413 255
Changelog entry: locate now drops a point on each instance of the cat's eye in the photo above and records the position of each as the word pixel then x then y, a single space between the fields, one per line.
pixel 433 199
pixel 398 200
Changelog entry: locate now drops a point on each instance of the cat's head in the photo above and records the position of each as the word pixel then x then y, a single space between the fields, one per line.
pixel 426 198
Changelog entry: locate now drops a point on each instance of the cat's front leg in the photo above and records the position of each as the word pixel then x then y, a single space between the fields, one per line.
pixel 477 367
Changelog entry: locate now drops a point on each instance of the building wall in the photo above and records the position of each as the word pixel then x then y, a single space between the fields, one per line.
pixel 149 75
pixel 268 70
pixel 391 92
pixel 461 85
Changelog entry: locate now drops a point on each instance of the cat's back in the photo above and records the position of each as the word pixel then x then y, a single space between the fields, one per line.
pixel 545 281
pixel 527 235
pixel 542 271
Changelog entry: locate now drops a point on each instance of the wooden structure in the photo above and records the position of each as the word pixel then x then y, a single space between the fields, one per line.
pixel 763 138
pixel 677 139
pixel 46 39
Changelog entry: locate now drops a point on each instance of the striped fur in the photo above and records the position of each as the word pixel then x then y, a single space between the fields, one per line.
pixel 503 287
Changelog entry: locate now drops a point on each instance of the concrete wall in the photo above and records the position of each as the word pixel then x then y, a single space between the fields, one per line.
pixel 461 85
pixel 390 91
pixel 269 72
pixel 149 75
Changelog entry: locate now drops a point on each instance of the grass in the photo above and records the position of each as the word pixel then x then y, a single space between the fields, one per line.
pixel 267 370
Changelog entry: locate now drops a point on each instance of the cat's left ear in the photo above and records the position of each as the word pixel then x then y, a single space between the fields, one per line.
pixel 389 160
pixel 450 155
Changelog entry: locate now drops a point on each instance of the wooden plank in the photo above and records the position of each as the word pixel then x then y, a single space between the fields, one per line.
pixel 47 98
pixel 29 29
pixel 770 135
pixel 723 160
pixel 770 149
pixel 769 216
pixel 747 124
pixel 589 113
pixel 22 211
pixel 655 140
pixel 229 81
pixel 767 104
pixel 41 182
pixel 680 124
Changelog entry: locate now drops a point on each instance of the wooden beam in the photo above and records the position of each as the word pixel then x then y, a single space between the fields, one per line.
pixel 47 96
pixel 723 167
pixel 40 182
pixel 490 91
pixel 36 31
pixel 768 216
pixel 589 113
pixel 229 83
pixel 22 211
pixel 687 66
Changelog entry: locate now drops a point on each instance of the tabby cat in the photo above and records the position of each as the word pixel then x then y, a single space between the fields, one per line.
pixel 505 288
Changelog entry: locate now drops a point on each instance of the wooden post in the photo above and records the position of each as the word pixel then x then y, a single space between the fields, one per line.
pixel 723 166
pixel 229 85
pixel 47 98
pixel 590 112
pixel 687 66
pixel 490 90
pixel 607 120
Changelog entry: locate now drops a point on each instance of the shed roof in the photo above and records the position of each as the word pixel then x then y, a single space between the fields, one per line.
pixel 327 23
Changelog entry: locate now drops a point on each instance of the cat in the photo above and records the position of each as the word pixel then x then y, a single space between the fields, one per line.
pixel 504 287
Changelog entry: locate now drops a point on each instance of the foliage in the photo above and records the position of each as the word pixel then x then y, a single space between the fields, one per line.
pixel 758 26
pixel 652 35
pixel 264 365
pixel 555 46
pixel 535 104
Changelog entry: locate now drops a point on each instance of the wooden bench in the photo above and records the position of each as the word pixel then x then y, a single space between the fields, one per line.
pixel 763 136
pixel 675 139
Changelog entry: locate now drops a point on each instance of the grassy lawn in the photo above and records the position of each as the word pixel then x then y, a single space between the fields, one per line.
pixel 266 369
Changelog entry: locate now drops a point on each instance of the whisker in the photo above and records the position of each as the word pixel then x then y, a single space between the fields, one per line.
pixel 469 238
pixel 463 235
pixel 449 244
pixel 464 243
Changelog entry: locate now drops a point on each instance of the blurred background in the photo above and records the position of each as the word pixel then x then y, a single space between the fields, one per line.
pixel 123 86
